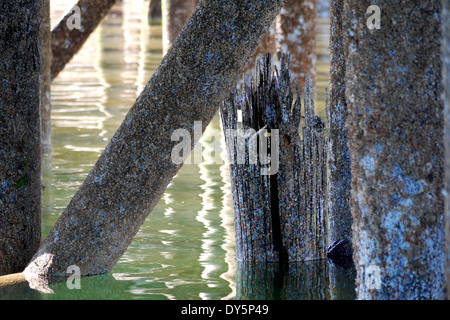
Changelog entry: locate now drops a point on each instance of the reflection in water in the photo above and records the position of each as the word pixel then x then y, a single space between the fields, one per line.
pixel 296 281
pixel 226 215
pixel 213 255
pixel 206 258
pixel 143 42
pixel 341 278
pixel 265 281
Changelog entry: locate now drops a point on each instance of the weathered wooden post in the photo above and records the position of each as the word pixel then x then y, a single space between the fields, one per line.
pixel 193 79
pixel 20 149
pixel 445 44
pixel 243 172
pixel 395 125
pixel 280 212
pixel 296 34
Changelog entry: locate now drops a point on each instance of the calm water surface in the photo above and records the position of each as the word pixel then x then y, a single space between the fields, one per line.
pixel 185 249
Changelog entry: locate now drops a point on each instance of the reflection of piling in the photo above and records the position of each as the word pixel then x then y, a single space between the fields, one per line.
pixel 154 11
pixel 265 281
pixel 280 211
pixel 339 285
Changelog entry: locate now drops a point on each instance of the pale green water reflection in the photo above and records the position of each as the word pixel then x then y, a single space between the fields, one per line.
pixel 185 249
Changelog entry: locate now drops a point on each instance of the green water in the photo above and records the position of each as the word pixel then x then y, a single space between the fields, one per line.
pixel 185 248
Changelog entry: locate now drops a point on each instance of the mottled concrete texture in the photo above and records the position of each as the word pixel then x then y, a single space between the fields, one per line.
pixel 175 14
pixel 446 97
pixel 296 35
pixel 340 218
pixel 20 161
pixel 194 77
pixel 66 42
pixel 395 127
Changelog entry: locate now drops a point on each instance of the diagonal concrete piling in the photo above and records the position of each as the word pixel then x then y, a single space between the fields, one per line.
pixel 127 181
pixel 74 29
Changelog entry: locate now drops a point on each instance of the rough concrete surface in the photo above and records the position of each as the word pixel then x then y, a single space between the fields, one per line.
pixel 20 160
pixel 395 127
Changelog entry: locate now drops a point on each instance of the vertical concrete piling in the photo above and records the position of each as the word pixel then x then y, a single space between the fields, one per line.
pixel 395 126
pixel 46 126
pixel 268 44
pixel 296 34
pixel 340 218
pixel 20 149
